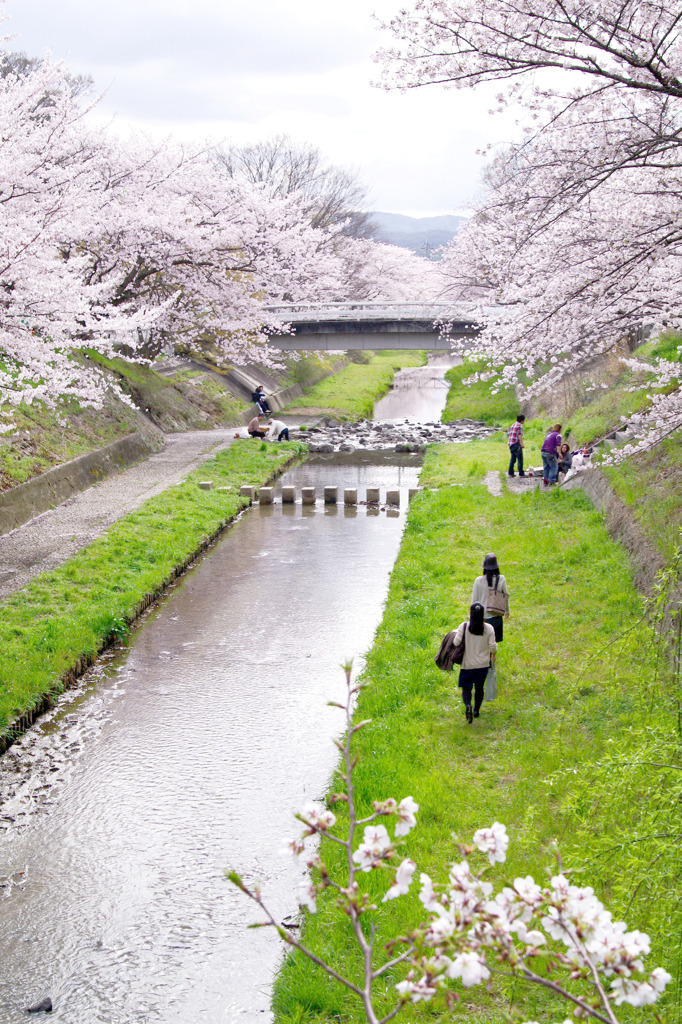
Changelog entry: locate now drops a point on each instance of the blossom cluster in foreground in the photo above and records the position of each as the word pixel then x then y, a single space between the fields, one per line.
pixel 558 936
pixel 468 924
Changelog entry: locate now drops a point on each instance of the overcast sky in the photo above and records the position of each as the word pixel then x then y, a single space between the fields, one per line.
pixel 245 70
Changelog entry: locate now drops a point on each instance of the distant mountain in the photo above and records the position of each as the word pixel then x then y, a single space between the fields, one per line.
pixel 422 235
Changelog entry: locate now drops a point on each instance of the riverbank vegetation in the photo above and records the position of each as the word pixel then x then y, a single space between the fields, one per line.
pixel 476 401
pixel 581 748
pixel 72 611
pixel 352 393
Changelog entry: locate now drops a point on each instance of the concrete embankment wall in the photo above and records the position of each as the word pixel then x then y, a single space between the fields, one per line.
pixel 23 502
pixel 646 560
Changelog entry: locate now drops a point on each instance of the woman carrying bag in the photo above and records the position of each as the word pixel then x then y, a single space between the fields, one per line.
pixel 479 654
pixel 490 590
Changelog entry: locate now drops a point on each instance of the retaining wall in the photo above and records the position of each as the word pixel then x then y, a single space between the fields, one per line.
pixel 23 502
pixel 646 560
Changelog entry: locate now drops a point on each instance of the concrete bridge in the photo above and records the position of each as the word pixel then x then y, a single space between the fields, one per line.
pixel 339 326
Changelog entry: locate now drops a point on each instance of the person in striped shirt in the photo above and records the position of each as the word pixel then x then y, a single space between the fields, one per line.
pixel 515 442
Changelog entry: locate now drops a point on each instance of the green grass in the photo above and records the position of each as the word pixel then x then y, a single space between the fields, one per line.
pixel 578 702
pixel 668 345
pixel 42 437
pixel 352 393
pixel 476 401
pixel 311 367
pixel 605 412
pixel 69 612
pixel 186 400
pixel 650 483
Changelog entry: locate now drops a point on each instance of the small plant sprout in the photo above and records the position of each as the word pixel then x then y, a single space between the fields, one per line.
pixel 558 935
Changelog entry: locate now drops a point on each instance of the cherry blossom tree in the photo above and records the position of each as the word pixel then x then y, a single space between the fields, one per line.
pixel 331 195
pixel 105 241
pixel 577 238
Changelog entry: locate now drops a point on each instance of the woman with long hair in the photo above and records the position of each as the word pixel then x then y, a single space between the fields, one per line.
pixel 491 591
pixel 479 655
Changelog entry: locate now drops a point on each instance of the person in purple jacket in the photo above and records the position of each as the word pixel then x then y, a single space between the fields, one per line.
pixel 550 452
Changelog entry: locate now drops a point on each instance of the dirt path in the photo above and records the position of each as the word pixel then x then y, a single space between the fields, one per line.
pixel 51 538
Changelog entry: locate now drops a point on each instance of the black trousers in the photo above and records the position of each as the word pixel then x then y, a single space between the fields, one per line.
pixel 283 434
pixel 473 679
pixel 515 455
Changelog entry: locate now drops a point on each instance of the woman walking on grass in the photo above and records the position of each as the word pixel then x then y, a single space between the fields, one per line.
pixel 479 655
pixel 490 590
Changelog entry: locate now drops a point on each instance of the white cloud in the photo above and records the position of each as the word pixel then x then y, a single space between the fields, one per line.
pixel 232 70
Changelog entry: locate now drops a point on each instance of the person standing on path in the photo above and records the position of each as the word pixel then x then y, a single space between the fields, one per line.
pixel 479 655
pixel 491 591
pixel 515 442
pixel 551 447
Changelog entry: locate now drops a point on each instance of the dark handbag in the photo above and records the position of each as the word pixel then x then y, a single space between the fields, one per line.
pixel 450 654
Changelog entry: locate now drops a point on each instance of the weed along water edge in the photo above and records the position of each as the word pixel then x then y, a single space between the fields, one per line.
pixel 185 754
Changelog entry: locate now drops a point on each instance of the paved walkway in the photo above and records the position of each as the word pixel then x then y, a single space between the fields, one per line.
pixel 51 538
pixel 516 484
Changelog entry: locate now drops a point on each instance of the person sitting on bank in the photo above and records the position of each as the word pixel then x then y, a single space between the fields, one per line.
pixel 565 459
pixel 255 427
pixel 261 401
pixel 278 430
pixel 515 442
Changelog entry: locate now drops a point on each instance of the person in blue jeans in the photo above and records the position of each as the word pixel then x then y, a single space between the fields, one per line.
pixel 551 447
pixel 515 442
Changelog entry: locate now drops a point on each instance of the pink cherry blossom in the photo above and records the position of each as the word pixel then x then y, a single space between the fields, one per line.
pixel 494 841
pixel 372 850
pixel 403 880
pixel 407 810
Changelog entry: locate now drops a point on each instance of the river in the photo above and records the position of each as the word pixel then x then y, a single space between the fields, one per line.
pixel 186 752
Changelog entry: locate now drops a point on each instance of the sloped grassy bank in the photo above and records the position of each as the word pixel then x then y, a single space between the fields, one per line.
pixel 574 750
pixel 52 629
pixel 351 393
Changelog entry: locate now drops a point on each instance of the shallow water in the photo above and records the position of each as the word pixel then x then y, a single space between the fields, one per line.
pixel 186 753
pixel 418 394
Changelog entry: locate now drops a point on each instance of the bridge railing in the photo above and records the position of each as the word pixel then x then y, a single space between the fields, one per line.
pixel 302 312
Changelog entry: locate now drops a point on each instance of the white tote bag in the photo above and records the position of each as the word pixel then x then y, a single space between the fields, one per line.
pixel 491 683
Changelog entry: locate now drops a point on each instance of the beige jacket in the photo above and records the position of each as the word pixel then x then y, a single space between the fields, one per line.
pixel 477 649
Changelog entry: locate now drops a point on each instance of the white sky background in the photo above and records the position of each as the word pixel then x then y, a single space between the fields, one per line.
pixel 245 70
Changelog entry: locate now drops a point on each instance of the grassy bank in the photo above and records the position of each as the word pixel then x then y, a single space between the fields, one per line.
pixel 568 752
pixel 69 613
pixel 475 401
pixel 351 393
pixel 39 440
pixel 188 399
